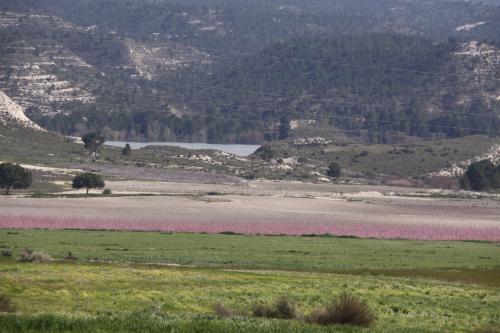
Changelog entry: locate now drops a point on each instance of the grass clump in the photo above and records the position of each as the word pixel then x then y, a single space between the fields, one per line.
pixel 6 253
pixel 29 255
pixel 347 310
pixel 6 305
pixel 282 309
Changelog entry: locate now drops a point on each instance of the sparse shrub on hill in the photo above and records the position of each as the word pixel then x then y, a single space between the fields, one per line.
pixel 127 150
pixel 334 171
pixel 92 142
pixel 6 305
pixel 29 255
pixel 347 310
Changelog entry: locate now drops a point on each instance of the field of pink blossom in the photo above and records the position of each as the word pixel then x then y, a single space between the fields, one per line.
pixel 272 227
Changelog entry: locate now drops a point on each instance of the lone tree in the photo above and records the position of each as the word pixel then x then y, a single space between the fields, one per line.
pixel 92 142
pixel 334 170
pixel 14 176
pixel 127 150
pixel 88 181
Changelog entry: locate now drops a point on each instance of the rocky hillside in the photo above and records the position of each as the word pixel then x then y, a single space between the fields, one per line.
pixel 237 71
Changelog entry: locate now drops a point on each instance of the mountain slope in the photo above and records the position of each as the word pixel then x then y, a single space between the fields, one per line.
pixel 231 70
pixel 383 84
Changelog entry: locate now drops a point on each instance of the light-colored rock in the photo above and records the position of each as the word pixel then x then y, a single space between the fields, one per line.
pixel 11 112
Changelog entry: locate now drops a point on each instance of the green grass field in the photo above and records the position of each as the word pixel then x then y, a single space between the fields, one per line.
pixel 412 286
pixel 318 254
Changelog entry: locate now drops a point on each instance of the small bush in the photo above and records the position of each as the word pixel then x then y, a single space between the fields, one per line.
pixel 6 253
pixel 29 255
pixel 6 305
pixel 348 310
pixel 334 170
pixel 107 192
pixel 283 309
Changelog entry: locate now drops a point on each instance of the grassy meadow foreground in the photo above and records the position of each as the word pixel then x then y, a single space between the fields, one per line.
pixel 128 282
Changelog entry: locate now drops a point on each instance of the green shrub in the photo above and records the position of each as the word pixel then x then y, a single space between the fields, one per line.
pixel 334 170
pixel 107 192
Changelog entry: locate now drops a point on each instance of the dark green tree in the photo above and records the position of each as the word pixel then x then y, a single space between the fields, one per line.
pixel 479 176
pixel 14 176
pixel 88 181
pixel 334 170
pixel 127 150
pixel 284 128
pixel 92 142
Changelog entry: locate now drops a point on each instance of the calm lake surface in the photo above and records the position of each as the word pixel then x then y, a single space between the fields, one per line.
pixel 240 150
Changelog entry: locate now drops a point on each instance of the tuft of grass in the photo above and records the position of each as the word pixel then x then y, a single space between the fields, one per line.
pixel 6 305
pixel 348 310
pixel 28 255
pixel 283 309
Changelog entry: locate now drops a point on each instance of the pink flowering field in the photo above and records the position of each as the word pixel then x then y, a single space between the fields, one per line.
pixel 274 227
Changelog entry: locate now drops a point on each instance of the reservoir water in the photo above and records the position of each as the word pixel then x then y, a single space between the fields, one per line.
pixel 236 149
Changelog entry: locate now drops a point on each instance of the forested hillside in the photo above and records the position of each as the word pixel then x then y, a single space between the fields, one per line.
pixel 238 71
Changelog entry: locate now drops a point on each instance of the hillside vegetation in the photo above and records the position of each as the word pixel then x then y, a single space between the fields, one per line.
pixel 225 71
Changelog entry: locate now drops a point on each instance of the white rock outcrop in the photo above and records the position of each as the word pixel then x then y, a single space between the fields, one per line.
pixel 11 112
